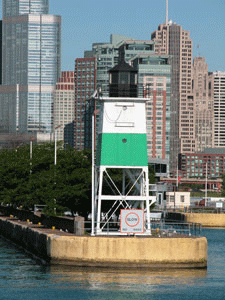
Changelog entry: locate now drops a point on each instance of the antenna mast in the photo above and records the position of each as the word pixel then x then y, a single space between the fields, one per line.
pixel 167 13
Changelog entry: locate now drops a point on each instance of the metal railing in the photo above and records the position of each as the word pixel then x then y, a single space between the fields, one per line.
pixel 159 228
pixel 170 228
pixel 206 209
pixel 197 209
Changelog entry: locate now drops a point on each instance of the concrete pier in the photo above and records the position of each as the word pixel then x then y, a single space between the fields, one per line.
pixel 206 219
pixel 57 247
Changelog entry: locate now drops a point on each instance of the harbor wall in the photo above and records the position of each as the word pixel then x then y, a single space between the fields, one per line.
pixel 32 240
pixel 103 251
pixel 206 219
pixel 131 251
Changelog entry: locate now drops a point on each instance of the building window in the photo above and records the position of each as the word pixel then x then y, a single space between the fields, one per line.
pixel 172 198
pixel 182 199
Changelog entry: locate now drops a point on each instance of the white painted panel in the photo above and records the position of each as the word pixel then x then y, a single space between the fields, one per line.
pixel 124 124
pixel 124 117
pixel 125 104
pixel 132 221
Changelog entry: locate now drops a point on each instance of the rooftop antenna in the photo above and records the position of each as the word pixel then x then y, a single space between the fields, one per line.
pixel 198 50
pixel 167 13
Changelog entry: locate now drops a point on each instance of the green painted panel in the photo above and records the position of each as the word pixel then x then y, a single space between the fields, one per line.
pixel 122 149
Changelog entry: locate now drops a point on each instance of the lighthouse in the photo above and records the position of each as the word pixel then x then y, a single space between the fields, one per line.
pixel 121 184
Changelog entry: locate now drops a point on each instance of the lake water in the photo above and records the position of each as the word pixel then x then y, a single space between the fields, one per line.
pixel 21 277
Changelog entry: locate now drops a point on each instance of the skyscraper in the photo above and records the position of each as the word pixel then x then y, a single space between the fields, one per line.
pixel 154 84
pixel 217 81
pixel 172 40
pixel 203 105
pixel 31 66
pixel 85 85
pixel 0 52
pixel 64 103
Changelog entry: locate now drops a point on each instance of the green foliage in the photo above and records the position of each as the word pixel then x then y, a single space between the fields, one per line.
pixel 25 182
pixel 223 186
pixel 151 175
pixel 209 194
pixel 66 186
pixel 193 186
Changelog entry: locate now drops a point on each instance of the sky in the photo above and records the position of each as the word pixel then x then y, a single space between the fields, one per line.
pixel 90 21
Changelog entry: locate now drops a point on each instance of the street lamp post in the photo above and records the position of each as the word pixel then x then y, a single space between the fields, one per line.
pixel 55 133
pixel 31 156
pixel 206 196
pixel 55 158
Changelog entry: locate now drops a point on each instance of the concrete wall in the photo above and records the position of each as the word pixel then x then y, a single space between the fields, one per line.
pixel 63 222
pixel 121 252
pixel 32 240
pixel 130 251
pixel 207 220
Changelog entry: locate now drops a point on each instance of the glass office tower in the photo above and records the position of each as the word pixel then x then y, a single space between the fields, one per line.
pixel 31 66
pixel 22 7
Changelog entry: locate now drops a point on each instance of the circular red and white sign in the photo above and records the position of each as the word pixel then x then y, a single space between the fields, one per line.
pixel 132 219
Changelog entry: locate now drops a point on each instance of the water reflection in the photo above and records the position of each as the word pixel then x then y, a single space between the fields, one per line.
pixel 19 270
pixel 102 278
pixel 20 275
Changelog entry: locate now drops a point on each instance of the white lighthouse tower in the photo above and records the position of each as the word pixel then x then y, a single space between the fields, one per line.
pixel 122 150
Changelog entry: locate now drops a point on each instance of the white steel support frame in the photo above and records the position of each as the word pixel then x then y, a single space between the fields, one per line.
pixel 137 194
pixel 93 181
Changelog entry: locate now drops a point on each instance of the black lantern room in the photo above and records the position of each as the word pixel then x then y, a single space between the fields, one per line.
pixel 123 80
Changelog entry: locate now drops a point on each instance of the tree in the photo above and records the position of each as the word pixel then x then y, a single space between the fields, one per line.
pixel 151 175
pixel 65 186
pixel 223 186
pixel 26 182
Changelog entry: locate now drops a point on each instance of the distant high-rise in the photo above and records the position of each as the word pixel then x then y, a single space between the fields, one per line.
pixel 85 85
pixel 92 72
pixel 69 136
pixel 203 105
pixel 154 83
pixel 217 80
pixel 106 55
pixel 31 66
pixel 0 51
pixel 64 103
pixel 172 40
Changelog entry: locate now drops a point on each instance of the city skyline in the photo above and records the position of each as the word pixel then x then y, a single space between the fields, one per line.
pixel 89 22
pixel 203 18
